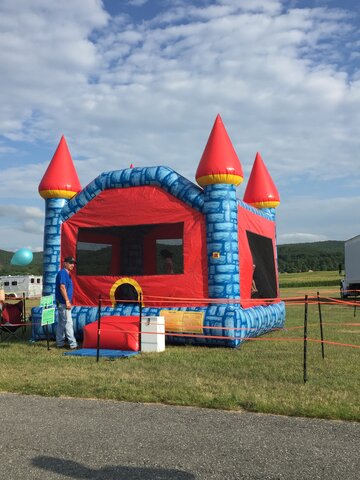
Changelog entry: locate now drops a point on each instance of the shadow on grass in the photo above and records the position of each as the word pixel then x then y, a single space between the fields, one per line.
pixel 76 470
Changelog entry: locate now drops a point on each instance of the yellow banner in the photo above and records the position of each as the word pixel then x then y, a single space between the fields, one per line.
pixel 183 322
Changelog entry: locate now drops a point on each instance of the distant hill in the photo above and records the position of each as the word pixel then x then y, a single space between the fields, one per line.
pixel 293 257
pixel 35 268
pixel 316 256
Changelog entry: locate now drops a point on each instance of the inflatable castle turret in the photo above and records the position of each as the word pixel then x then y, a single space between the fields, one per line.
pixel 220 172
pixel 261 191
pixel 59 183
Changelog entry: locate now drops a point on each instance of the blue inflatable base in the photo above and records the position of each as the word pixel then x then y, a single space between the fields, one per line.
pixel 234 323
pixel 91 352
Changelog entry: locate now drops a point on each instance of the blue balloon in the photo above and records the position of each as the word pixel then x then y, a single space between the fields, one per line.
pixel 22 257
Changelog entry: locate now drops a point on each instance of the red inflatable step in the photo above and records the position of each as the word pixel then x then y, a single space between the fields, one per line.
pixel 116 333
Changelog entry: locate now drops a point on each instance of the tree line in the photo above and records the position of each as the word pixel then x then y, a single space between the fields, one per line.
pixel 292 258
pixel 316 256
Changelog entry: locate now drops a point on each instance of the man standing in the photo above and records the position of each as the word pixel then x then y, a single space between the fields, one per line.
pixel 63 294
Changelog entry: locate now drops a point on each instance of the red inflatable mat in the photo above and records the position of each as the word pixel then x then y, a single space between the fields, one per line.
pixel 116 333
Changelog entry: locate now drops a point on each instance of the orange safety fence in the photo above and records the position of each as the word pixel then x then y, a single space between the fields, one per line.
pixel 154 299
pixel 289 301
pixel 268 330
pixel 260 339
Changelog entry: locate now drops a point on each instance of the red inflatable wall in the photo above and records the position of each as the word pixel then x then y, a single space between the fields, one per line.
pixel 250 222
pixel 141 206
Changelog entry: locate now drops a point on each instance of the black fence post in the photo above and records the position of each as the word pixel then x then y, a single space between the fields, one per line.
pixel 355 303
pixel 321 327
pixel 47 331
pixel 98 333
pixel 24 311
pixel 305 337
pixel 47 336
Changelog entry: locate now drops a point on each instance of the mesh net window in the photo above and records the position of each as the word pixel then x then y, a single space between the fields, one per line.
pixel 264 274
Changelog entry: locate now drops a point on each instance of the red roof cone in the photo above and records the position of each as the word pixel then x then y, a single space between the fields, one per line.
pixel 219 162
pixel 60 179
pixel 261 191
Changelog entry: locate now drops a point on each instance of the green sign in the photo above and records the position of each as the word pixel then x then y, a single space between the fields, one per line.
pixel 46 301
pixel 47 316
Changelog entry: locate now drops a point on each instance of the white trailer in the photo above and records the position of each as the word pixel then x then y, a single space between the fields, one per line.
pixel 15 286
pixel 350 285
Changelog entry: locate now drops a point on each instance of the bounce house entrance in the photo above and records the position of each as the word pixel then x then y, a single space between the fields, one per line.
pixel 264 275
pixel 126 293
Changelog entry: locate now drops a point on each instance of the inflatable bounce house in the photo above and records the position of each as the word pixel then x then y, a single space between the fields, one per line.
pixel 147 239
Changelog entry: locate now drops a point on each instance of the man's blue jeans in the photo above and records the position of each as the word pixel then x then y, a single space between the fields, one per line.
pixel 65 327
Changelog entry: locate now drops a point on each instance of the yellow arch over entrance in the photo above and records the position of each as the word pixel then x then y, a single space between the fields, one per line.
pixel 129 280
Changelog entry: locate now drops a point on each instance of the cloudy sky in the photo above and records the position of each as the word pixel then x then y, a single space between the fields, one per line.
pixel 141 81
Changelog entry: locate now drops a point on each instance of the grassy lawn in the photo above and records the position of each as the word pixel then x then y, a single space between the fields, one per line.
pixel 310 279
pixel 264 375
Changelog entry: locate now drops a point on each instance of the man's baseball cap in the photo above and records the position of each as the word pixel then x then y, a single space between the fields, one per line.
pixel 69 260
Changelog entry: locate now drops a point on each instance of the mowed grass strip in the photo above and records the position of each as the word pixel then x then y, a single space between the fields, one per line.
pixel 310 279
pixel 262 375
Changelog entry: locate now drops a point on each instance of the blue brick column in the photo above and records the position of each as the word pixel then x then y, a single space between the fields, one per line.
pixel 221 215
pixel 52 239
pixel 271 212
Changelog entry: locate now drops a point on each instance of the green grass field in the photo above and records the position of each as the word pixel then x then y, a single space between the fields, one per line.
pixel 264 375
pixel 309 279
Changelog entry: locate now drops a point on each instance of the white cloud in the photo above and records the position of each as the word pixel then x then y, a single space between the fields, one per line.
pixel 298 237
pixel 19 235
pixel 44 53
pixel 21 211
pixel 21 181
pixel 12 240
pixel 333 218
pixel 148 92
pixel 19 225
pixel 137 3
